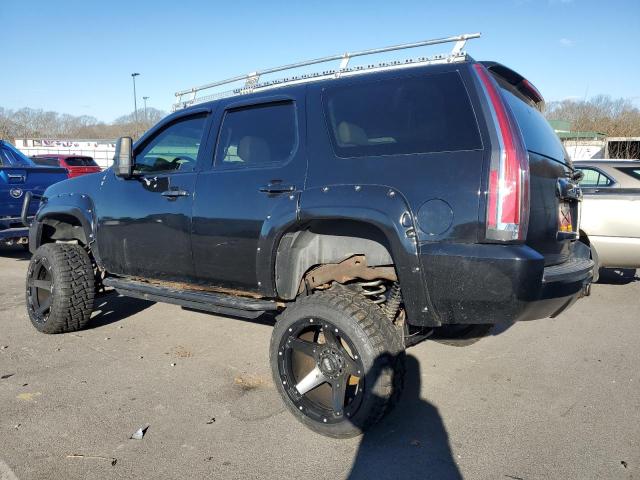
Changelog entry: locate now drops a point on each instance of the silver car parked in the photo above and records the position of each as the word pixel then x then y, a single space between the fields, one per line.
pixel 610 217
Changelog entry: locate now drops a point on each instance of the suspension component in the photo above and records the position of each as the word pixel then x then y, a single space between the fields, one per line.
pixel 374 291
pixel 392 305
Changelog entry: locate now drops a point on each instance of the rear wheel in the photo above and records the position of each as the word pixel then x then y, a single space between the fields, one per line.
pixel 60 288
pixel 337 362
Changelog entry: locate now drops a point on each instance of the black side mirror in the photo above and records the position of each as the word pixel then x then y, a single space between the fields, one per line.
pixel 123 159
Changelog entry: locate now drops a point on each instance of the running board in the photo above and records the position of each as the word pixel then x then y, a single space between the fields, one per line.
pixel 214 302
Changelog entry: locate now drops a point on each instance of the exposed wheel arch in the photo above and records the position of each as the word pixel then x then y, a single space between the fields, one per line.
pixel 326 242
pixel 61 227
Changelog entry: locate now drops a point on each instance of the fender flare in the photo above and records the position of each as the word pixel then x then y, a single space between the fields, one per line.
pixel 80 207
pixel 378 206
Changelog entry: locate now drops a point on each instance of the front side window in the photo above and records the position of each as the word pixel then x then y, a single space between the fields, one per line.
pixel 422 114
pixel 594 178
pixel 257 135
pixel 174 149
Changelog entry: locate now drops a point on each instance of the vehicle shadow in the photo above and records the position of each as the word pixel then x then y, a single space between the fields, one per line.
pixel 266 318
pixel 617 276
pixel 411 442
pixel 14 251
pixel 110 307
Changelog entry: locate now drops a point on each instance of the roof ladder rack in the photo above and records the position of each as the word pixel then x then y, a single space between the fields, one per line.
pixel 189 97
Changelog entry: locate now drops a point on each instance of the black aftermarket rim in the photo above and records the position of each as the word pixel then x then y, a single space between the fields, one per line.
pixel 39 289
pixel 321 371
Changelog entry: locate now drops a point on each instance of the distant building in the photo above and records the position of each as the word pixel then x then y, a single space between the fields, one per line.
pixel 580 145
pixel 584 145
pixel 102 150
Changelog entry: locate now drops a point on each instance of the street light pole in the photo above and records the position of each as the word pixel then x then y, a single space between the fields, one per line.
pixel 145 108
pixel 135 101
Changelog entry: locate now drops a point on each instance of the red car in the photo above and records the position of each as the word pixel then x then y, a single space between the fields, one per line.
pixel 76 165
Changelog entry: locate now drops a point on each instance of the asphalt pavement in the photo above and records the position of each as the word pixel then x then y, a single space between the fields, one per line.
pixel 556 398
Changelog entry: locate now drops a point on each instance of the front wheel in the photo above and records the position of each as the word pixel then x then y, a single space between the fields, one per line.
pixel 337 362
pixel 60 288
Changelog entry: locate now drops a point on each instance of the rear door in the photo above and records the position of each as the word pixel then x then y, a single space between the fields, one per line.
pixel 250 189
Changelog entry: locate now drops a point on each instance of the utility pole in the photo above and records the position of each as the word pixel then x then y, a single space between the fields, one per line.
pixel 135 101
pixel 146 119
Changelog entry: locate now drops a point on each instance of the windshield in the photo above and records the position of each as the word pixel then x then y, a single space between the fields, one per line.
pixel 13 157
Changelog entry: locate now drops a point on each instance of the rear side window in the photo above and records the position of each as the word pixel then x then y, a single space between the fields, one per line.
pixel 422 114
pixel 47 161
pixel 257 135
pixel 594 178
pixel 539 136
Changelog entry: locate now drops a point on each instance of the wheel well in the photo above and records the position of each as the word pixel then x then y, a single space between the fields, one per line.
pixel 584 238
pixel 62 227
pixel 331 250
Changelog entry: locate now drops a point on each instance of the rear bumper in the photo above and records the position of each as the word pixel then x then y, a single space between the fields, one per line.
pixel 481 283
pixel 12 230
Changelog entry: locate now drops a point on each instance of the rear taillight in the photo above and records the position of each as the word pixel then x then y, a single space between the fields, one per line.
pixel 508 190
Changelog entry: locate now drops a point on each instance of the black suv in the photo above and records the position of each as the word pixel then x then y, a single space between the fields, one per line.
pixel 367 210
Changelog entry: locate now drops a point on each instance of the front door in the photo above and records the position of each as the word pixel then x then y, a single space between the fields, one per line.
pixel 145 221
pixel 253 187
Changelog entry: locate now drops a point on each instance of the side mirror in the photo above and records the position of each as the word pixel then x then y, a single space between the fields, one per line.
pixel 123 159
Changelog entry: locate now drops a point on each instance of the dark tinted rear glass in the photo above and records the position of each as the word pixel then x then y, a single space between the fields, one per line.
pixel 422 114
pixel 80 162
pixel 47 161
pixel 539 136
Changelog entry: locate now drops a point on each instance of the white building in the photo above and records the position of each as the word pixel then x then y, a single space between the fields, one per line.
pixel 102 151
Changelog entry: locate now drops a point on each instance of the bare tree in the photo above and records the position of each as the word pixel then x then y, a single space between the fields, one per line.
pixel 37 123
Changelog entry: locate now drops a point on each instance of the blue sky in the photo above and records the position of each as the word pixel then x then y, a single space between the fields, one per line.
pixel 76 56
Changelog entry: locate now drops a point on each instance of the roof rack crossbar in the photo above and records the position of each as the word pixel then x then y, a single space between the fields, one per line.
pixel 251 79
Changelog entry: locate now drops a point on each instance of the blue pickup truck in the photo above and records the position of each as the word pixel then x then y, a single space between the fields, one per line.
pixel 19 175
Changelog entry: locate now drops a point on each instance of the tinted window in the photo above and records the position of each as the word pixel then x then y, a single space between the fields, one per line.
pixel 634 172
pixel 539 136
pixel 257 135
pixel 80 162
pixel 47 161
pixel 174 149
pixel 594 178
pixel 401 116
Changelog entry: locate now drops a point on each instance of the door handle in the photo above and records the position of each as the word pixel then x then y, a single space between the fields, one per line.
pixel 19 177
pixel 277 188
pixel 173 194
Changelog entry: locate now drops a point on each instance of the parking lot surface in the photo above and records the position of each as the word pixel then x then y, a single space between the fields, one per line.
pixel 555 398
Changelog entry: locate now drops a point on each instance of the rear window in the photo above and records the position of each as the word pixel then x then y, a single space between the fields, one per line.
pixel 539 136
pixel 46 161
pixel 422 114
pixel 80 162
pixel 631 171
